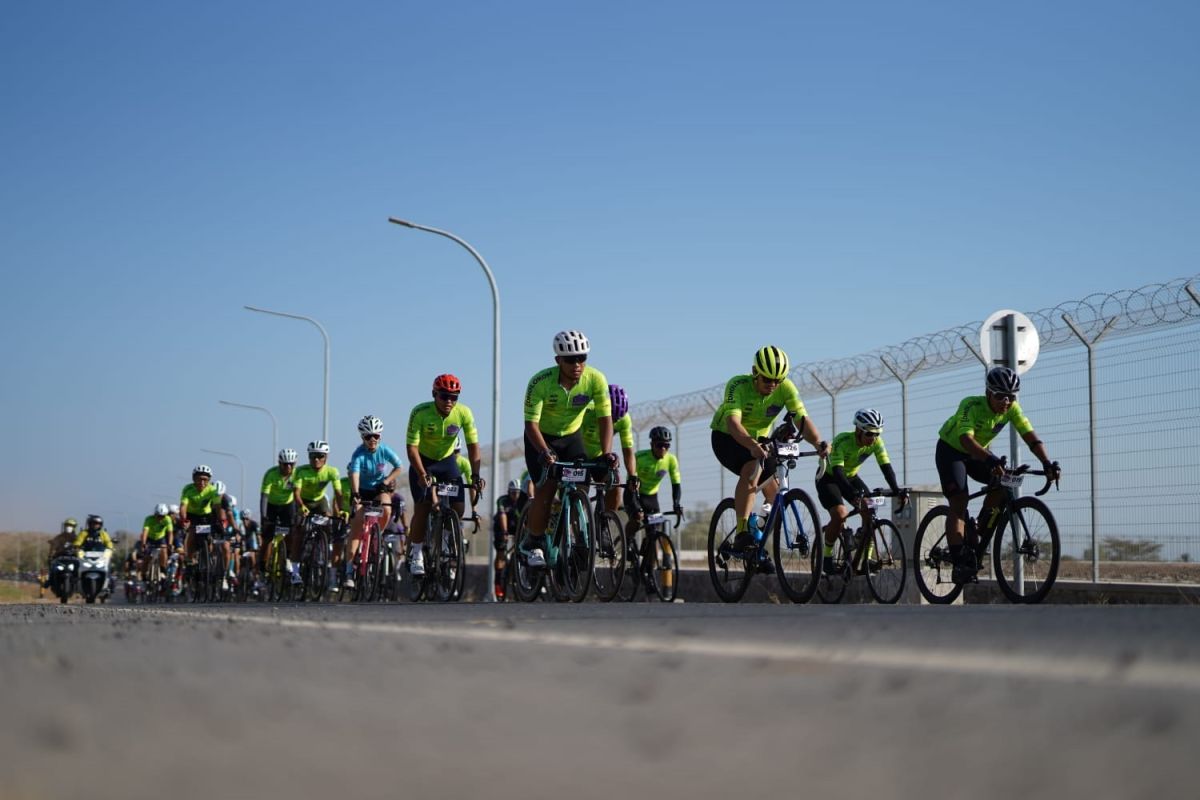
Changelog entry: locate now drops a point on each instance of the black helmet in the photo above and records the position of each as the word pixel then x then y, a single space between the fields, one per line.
pixel 95 521
pixel 660 434
pixel 1002 380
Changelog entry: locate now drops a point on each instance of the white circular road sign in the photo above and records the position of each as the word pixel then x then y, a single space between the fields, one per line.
pixel 991 340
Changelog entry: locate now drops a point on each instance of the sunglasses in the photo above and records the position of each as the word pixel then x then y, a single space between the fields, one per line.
pixel 870 434
pixel 664 445
pixel 318 455
pixel 374 436
pixel 1012 398
pixel 447 397
pixel 574 359
pixel 769 381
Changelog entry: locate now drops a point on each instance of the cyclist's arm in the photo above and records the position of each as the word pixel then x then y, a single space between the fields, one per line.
pixel 733 424
pixel 476 462
pixel 1037 447
pixel 262 506
pixel 976 450
pixel 677 495
pixel 630 462
pixel 145 534
pixel 533 431
pixel 808 430
pixel 338 502
pixel 414 458
pixel 605 424
pixel 889 475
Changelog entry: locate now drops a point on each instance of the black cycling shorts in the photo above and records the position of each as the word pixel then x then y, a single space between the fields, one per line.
pixel 567 448
pixel 954 467
pixel 444 469
pixel 829 491
pixel 733 456
pixel 279 515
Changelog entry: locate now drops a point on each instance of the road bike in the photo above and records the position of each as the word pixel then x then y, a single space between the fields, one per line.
pixel 875 551
pixel 1022 536
pixel 610 564
pixel 792 526
pixel 277 574
pixel 206 572
pixel 365 565
pixel 570 541
pixel 654 565
pixel 314 557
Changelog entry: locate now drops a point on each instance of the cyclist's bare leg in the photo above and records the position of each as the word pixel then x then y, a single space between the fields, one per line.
pixel 420 517
pixel 539 507
pixel 743 495
pixel 957 520
pixel 837 519
pixel 612 500
pixel 295 540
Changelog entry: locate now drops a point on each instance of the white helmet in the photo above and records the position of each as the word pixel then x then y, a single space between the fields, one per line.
pixel 318 447
pixel 220 487
pixel 571 343
pixel 287 456
pixel 868 419
pixel 161 510
pixel 247 514
pixel 370 424
pixel 232 500
pixel 174 508
pixel 513 486
pixel 202 469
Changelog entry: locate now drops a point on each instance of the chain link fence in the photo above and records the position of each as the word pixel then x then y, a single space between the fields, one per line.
pixel 1146 388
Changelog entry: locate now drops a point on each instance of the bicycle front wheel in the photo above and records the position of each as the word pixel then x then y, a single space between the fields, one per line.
pixel 577 548
pixel 664 572
pixel 627 589
pixel 885 563
pixel 444 559
pixel 932 566
pixel 609 568
pixel 730 574
pixel 526 581
pixel 1027 540
pixel 797 536
pixel 314 568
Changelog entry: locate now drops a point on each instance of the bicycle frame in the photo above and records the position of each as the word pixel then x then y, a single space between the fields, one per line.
pixel 786 454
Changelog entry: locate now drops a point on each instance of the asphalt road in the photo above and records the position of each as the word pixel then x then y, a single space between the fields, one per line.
pixel 603 701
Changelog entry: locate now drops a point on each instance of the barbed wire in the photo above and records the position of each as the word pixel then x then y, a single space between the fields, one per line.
pixel 1121 312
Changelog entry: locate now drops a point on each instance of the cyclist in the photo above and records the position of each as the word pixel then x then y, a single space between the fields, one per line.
pixel 230 534
pixel 652 466
pixel 622 425
pixel 156 538
pixel 433 428
pixel 311 481
pixel 750 404
pixel 276 500
pixel 841 483
pixel 200 504
pixel 555 401
pixel 250 541
pixel 179 528
pixel 368 483
pixel 962 452
pixel 508 506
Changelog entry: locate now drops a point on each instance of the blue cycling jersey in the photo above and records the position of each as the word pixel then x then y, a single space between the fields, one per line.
pixel 372 467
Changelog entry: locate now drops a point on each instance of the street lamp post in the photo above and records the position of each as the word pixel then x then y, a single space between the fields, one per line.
pixel 274 424
pixel 491 583
pixel 325 334
pixel 236 458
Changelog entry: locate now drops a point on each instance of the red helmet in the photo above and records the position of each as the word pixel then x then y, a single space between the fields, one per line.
pixel 447 383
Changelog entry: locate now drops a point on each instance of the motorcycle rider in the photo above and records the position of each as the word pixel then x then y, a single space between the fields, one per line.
pixel 62 543
pixel 94 537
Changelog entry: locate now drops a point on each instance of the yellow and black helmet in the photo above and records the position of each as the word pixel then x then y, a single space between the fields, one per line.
pixel 771 363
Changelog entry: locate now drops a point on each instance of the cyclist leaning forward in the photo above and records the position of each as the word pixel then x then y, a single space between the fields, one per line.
pixel 750 404
pixel 841 483
pixel 156 536
pixel 311 482
pixel 433 429
pixel 504 521
pixel 962 452
pixel 369 484
pixel 555 401
pixel 275 502
pixel 652 466
pixel 622 425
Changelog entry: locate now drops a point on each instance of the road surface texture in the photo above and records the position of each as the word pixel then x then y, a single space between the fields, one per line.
pixel 599 701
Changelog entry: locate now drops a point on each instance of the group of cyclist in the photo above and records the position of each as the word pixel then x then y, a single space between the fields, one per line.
pixel 571 414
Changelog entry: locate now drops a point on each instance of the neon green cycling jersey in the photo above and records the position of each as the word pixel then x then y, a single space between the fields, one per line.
pixel 622 427
pixel 558 411
pixel 312 482
pixel 976 418
pixel 435 435
pixel 345 482
pixel 756 412
pixel 157 528
pixel 844 452
pixel 464 468
pixel 651 470
pixel 278 488
pixel 196 501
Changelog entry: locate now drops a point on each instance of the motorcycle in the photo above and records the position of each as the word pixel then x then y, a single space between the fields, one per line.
pixel 64 577
pixel 93 575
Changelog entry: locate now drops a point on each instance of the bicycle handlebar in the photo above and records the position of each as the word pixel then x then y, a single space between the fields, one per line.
pixel 1024 469
pixel 559 466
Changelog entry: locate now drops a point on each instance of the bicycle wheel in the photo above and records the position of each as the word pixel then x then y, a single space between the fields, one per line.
pixel 664 571
pixel 730 574
pixel 577 551
pixel 278 580
pixel 609 566
pixel 527 581
pixel 627 589
pixel 831 587
pixel 931 559
pixel 886 565
pixel 200 575
pixel 444 559
pixel 314 568
pixel 1028 533
pixel 245 579
pixel 460 561
pixel 797 537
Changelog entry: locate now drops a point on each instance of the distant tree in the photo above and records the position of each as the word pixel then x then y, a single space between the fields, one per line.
pixel 1114 548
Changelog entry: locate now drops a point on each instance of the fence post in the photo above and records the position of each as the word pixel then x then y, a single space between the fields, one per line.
pixel 1091 365
pixel 720 469
pixel 904 407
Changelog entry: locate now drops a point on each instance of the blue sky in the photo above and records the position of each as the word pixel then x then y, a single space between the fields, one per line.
pixel 682 181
